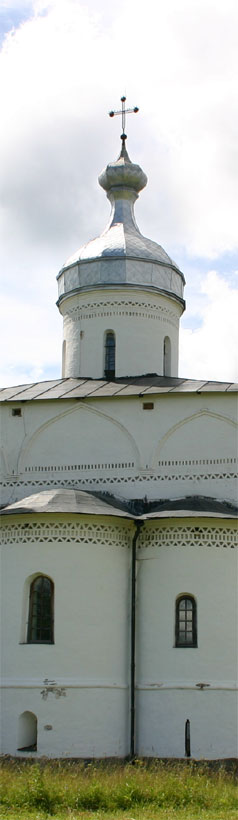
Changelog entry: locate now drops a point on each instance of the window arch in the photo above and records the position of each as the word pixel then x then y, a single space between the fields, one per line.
pixel 110 354
pixel 186 621
pixel 41 611
pixel 167 357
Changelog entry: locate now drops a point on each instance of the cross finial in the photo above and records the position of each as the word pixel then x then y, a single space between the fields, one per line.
pixel 123 113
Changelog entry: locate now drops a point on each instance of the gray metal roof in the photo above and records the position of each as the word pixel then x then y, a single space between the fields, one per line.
pixel 83 503
pixel 122 238
pixel 98 388
pixel 65 501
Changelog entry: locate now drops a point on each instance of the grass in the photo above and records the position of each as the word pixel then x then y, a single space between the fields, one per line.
pixel 143 791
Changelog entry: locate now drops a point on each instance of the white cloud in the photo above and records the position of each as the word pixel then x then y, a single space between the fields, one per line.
pixel 31 341
pixel 63 69
pixel 211 350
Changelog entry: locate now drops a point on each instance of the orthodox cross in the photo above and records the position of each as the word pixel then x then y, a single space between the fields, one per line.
pixel 123 113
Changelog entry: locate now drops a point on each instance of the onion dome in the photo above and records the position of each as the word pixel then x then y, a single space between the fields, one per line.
pixel 121 254
pixel 123 174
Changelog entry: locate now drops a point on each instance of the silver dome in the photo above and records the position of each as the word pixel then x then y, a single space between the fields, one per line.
pixel 110 256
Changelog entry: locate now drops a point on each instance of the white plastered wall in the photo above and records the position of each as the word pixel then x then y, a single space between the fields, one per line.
pixel 86 698
pixel 185 445
pixel 140 320
pixel 78 688
pixel 196 558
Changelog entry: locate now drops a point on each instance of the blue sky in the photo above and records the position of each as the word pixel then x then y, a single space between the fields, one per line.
pixel 11 15
pixel 64 65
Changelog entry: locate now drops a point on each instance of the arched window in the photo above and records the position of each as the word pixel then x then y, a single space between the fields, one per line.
pixel 27 732
pixel 186 621
pixel 167 357
pixel 41 620
pixel 110 354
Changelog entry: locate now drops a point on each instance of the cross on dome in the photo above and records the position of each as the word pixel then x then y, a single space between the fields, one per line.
pixel 123 113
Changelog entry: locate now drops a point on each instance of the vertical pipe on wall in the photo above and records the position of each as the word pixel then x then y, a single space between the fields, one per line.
pixel 138 525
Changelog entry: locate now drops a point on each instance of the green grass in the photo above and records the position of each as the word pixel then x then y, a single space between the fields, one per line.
pixel 154 791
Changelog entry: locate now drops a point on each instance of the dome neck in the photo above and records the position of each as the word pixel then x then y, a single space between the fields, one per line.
pixel 122 208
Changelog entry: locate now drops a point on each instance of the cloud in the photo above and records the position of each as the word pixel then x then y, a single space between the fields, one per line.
pixel 211 349
pixel 64 68
pixel 33 351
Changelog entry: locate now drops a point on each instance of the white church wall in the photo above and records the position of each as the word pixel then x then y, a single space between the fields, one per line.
pixel 79 685
pixel 91 433
pixel 185 445
pixel 163 714
pixel 140 322
pixel 197 559
pixel 87 665
pixel 200 560
pixel 87 722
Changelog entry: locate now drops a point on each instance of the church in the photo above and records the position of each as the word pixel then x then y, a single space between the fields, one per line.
pixel 119 521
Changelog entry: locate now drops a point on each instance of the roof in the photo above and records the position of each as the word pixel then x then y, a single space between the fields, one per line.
pixel 121 242
pixel 122 180
pixel 142 386
pixel 83 503
pixel 64 501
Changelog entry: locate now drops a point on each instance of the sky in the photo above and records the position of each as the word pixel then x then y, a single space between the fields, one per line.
pixel 64 65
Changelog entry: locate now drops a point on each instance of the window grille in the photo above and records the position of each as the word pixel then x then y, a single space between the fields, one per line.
pixel 40 623
pixel 186 622
pixel 110 353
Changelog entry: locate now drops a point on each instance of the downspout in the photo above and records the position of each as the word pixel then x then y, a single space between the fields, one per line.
pixel 138 525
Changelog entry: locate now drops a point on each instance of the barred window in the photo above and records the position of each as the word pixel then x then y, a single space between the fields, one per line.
pixel 186 621
pixel 110 353
pixel 41 620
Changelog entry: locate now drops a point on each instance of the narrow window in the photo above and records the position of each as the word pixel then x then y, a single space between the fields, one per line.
pixel 187 739
pixel 63 358
pixel 40 622
pixel 167 357
pixel 186 621
pixel 110 351
pixel 27 732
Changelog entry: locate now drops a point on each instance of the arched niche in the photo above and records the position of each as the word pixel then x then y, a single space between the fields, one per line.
pixel 205 438
pixel 79 439
pixel 27 732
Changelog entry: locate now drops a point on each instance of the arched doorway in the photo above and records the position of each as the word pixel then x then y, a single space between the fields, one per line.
pixel 27 732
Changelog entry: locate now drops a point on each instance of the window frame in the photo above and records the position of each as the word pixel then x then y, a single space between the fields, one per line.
pixel 50 640
pixel 183 644
pixel 109 372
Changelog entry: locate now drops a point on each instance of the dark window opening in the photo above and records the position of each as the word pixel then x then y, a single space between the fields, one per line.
pixel 110 354
pixel 187 739
pixel 16 411
pixel 40 623
pixel 186 622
